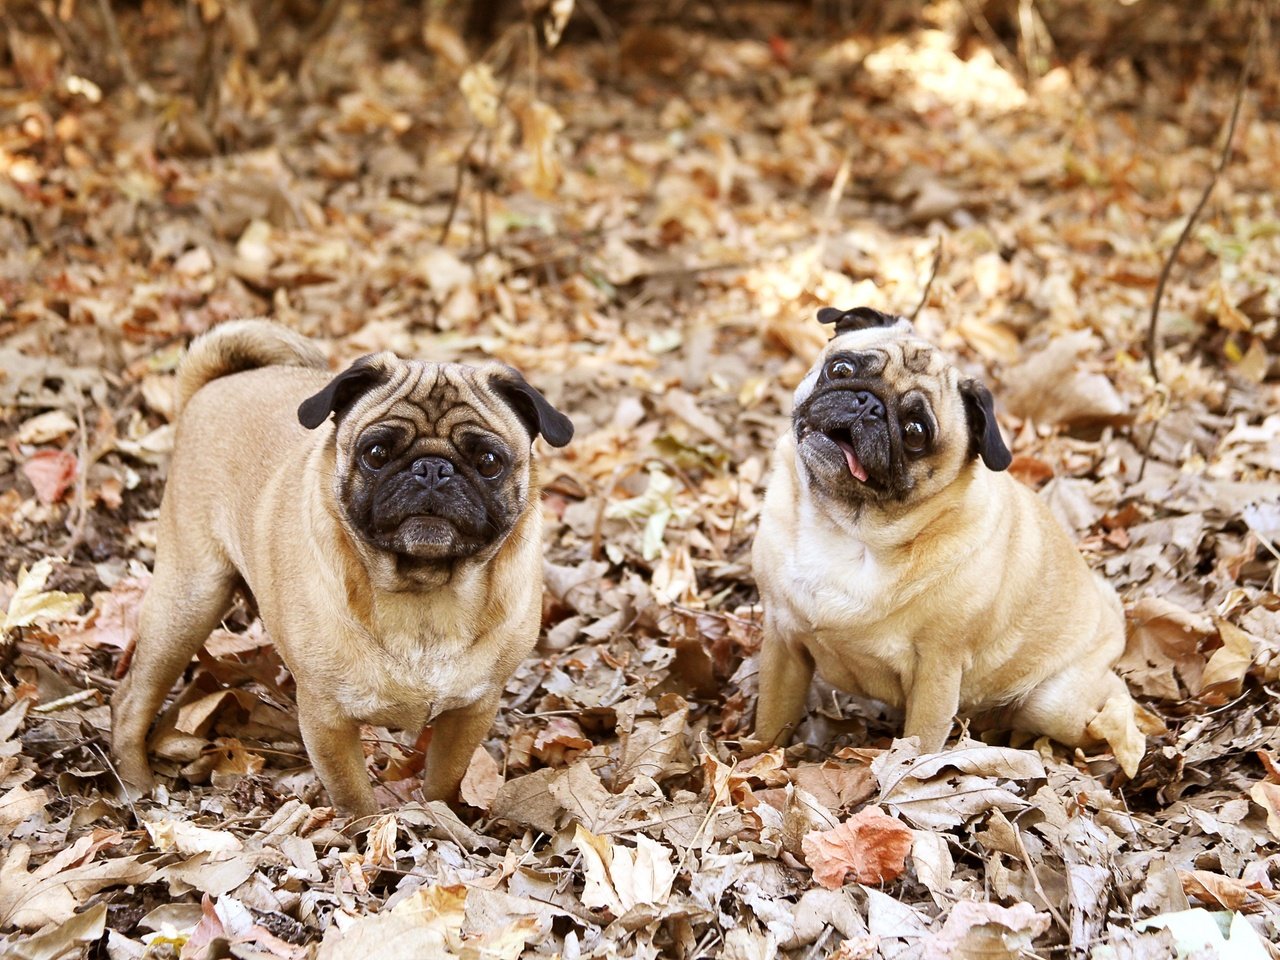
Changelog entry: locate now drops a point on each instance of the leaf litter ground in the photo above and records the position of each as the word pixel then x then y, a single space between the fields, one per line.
pixel 646 225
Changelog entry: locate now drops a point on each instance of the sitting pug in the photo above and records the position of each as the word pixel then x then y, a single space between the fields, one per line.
pixel 897 558
pixel 387 522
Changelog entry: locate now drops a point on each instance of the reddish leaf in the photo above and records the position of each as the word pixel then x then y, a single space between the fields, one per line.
pixel 871 845
pixel 51 472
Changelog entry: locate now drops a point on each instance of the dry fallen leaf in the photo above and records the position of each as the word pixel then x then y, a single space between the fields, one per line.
pixel 51 473
pixel 1117 725
pixel 1266 795
pixel 482 781
pixel 619 877
pixel 31 602
pixel 17 805
pixel 1223 892
pixel 1229 663
pixel 986 931
pixel 1163 647
pixel 71 938
pixel 189 839
pixel 1054 384
pixel 870 845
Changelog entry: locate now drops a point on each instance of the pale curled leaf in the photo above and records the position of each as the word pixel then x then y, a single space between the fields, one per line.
pixel 986 931
pixel 1055 384
pixel 482 781
pixel 1162 648
pixel 480 90
pixel 427 923
pixel 1267 795
pixel 17 805
pixel 1228 664
pixel 189 839
pixel 1117 724
pixel 69 938
pixel 934 866
pixel 930 793
pixel 658 750
pixel 620 877
pixel 31 602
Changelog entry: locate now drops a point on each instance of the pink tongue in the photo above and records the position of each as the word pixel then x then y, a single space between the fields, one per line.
pixel 851 458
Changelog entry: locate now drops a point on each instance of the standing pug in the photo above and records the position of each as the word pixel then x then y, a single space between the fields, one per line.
pixel 897 558
pixel 394 550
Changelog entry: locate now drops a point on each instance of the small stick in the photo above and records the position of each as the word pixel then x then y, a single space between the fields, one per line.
pixel 928 284
pixel 1153 334
pixel 1035 882
pixel 457 184
pixel 62 666
pixel 81 510
pixel 117 47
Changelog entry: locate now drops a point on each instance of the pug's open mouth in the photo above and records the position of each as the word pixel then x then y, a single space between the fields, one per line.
pixel 838 450
pixel 844 440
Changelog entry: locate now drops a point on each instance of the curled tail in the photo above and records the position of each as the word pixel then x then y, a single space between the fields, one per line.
pixel 243 345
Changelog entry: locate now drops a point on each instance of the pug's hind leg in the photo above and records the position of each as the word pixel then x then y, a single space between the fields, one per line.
pixel 181 608
pixel 1069 708
pixel 786 671
pixel 333 746
pixel 455 735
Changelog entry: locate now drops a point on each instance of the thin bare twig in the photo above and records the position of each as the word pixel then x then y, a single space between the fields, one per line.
pixel 1153 330
pixel 62 666
pixel 479 130
pixel 117 46
pixel 78 519
pixel 928 284
pixel 992 39
pixel 459 176
pixel 1035 882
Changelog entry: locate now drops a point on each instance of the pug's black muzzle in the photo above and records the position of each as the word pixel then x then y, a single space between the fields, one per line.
pixel 854 416
pixel 431 511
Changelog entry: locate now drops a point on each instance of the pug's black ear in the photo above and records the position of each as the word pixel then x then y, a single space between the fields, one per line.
pixel 534 410
pixel 859 318
pixel 984 433
pixel 342 391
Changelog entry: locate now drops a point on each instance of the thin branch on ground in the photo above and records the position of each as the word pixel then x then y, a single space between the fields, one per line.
pixel 928 284
pixel 117 46
pixel 480 130
pixel 989 36
pixel 1153 328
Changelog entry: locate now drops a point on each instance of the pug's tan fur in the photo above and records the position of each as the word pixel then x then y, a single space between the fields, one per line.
pixel 370 635
pixel 952 592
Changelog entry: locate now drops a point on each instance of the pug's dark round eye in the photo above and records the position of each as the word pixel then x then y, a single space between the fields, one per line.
pixel 489 464
pixel 914 436
pixel 840 369
pixel 375 456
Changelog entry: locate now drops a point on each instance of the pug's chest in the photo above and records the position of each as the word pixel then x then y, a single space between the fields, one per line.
pixel 839 587
pixel 844 608
pixel 405 683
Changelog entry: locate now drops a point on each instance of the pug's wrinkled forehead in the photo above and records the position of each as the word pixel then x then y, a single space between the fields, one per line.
pixel 864 333
pixel 436 398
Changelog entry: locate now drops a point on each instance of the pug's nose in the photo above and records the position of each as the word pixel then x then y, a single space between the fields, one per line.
pixel 867 406
pixel 435 472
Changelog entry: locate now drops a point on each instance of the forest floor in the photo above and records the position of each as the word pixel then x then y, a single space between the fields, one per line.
pixel 644 220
